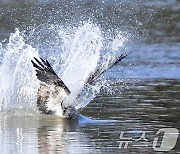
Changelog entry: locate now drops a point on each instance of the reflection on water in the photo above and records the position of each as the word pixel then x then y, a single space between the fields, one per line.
pixel 144 105
pixel 147 106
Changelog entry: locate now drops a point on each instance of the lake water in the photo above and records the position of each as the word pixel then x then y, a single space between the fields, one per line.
pixel 142 94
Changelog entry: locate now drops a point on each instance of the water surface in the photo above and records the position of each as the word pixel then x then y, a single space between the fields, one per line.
pixel 143 90
pixel 148 106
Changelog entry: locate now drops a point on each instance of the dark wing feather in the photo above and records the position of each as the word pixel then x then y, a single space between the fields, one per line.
pixel 51 85
pixel 101 70
pixel 45 73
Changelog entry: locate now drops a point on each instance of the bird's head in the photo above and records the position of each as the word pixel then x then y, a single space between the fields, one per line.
pixel 68 112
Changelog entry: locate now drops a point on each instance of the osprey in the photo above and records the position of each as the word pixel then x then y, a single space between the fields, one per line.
pixel 53 91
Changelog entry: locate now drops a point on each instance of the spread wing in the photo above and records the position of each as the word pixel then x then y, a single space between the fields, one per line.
pixel 96 74
pixel 52 90
pixel 99 71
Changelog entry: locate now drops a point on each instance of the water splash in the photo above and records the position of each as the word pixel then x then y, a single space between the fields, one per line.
pixel 77 53
pixel 17 78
